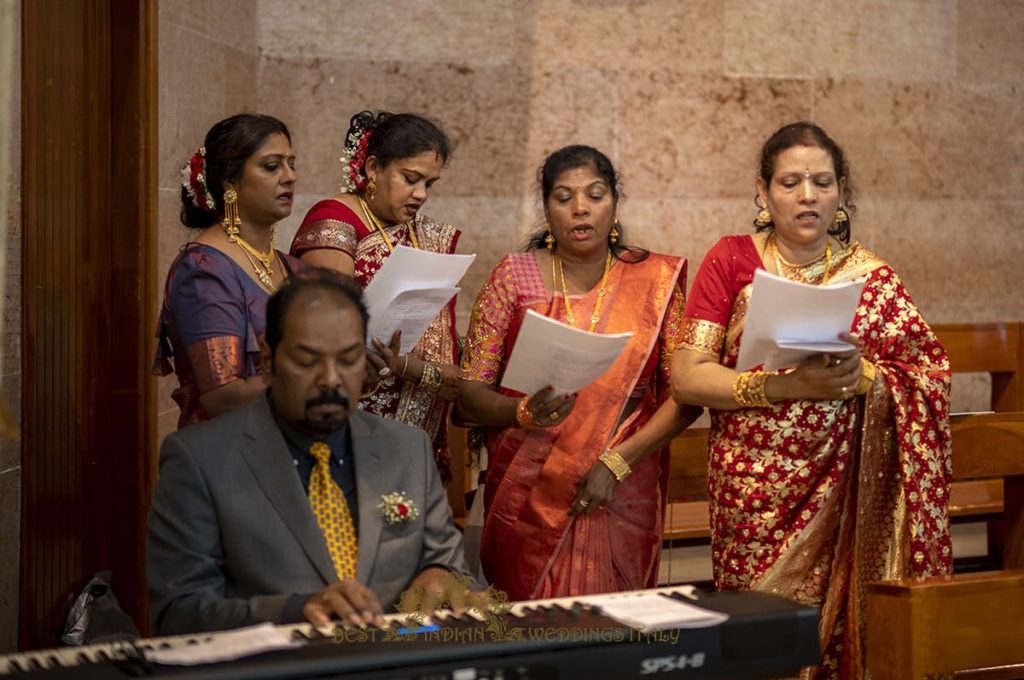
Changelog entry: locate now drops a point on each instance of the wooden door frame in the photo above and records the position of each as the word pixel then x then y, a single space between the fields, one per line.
pixel 89 178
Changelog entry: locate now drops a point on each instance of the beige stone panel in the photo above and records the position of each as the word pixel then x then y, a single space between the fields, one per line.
pixel 316 98
pixel 10 450
pixel 464 31
pixel 960 260
pixel 235 23
pixel 166 423
pixel 927 141
pixel 698 136
pixel 787 40
pixel 201 82
pixel 10 547
pixel 491 226
pixel 483 110
pixel 570 106
pixel 990 41
pixel 629 35
pixel 683 227
pixel 191 14
pixel 970 392
pixel 909 40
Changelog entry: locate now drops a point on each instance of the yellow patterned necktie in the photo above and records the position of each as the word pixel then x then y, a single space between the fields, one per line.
pixel 332 513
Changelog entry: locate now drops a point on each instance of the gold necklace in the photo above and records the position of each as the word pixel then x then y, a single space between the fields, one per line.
pixel 800 272
pixel 601 290
pixel 266 258
pixel 265 275
pixel 376 222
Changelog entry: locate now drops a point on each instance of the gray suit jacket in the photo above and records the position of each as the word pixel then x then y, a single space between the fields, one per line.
pixel 232 537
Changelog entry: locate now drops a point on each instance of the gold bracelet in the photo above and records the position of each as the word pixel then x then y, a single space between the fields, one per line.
pixel 523 416
pixel 867 376
pixel 405 367
pixel 748 389
pixel 431 378
pixel 614 461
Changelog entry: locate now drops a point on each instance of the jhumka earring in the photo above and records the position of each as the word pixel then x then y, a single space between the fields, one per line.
pixel 231 219
pixel 764 218
pixel 613 235
pixel 841 216
pixel 549 240
pixel 371 190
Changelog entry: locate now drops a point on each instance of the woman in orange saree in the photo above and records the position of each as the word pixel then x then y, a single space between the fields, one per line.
pixel 575 486
pixel 835 473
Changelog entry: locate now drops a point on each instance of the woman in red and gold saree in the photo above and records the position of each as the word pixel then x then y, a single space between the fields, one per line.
pixel 836 473
pixel 559 520
pixel 392 161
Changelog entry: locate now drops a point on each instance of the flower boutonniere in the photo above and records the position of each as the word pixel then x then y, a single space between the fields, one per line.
pixel 397 507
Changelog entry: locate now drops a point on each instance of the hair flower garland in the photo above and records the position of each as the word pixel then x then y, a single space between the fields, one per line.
pixel 396 507
pixel 193 180
pixel 353 160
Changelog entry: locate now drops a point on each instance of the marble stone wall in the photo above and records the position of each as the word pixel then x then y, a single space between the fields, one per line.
pixel 925 95
pixel 10 316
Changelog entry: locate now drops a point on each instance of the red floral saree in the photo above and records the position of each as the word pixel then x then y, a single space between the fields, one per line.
pixel 531 548
pixel 813 499
pixel 332 224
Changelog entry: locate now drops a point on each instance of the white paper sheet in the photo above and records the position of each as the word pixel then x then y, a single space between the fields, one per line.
pixel 225 646
pixel 409 290
pixel 549 352
pixel 789 321
pixel 651 611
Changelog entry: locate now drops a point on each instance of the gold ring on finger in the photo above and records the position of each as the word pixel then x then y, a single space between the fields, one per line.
pixel 553 415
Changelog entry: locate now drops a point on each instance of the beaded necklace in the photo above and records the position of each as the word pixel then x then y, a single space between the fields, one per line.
pixel 601 290
pixel 376 222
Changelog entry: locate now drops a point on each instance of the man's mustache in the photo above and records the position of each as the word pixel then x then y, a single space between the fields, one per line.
pixel 328 398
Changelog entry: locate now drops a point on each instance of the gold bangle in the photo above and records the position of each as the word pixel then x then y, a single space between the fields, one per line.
pixel 431 378
pixel 523 416
pixel 618 466
pixel 748 389
pixel 867 376
pixel 405 367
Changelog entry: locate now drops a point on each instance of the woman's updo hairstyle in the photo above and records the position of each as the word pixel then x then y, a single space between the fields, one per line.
pixel 228 145
pixel 389 137
pixel 570 158
pixel 804 133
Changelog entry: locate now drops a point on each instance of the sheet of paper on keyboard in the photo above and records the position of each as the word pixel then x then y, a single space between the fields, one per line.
pixel 651 611
pixel 224 646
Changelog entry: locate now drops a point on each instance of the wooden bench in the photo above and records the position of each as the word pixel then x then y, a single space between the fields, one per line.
pixel 988 448
pixel 920 628
pixel 988 464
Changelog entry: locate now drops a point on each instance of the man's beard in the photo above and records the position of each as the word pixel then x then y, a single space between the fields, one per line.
pixel 328 422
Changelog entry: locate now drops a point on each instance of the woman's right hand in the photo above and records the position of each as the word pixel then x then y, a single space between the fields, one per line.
pixel 548 409
pixel 821 377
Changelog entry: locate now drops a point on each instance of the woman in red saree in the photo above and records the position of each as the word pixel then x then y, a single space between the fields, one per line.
pixel 836 473
pixel 575 486
pixel 391 163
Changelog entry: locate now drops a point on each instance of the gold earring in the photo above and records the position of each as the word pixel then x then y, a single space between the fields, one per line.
pixel 841 216
pixel 371 189
pixel 231 219
pixel 613 235
pixel 763 219
pixel 549 240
